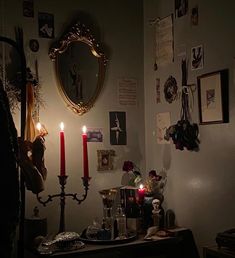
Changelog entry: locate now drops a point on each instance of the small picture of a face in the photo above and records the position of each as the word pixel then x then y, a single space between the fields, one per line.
pixel 105 160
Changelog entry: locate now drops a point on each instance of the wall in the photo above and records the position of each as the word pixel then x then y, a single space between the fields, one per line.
pixel 200 187
pixel 121 30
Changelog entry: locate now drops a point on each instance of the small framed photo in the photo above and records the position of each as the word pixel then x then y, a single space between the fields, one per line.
pixel 45 25
pixel 213 97
pixel 105 159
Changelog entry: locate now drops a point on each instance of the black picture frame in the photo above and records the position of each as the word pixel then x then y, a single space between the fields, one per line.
pixel 213 99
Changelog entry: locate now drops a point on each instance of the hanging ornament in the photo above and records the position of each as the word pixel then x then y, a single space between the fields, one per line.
pixel 184 134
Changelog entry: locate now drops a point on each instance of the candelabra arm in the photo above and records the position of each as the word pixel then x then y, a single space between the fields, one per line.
pixel 49 199
pixel 86 188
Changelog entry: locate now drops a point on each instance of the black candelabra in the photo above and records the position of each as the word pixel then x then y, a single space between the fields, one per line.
pixel 62 195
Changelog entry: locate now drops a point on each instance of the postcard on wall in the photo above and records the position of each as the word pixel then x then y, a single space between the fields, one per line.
pixel 163 122
pixel 158 92
pixel 197 57
pixel 181 8
pixel 94 134
pixel 164 41
pixel 127 92
pixel 45 25
pixel 28 8
pixel 117 122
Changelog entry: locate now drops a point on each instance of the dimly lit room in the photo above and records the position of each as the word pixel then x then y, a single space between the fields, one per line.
pixel 116 126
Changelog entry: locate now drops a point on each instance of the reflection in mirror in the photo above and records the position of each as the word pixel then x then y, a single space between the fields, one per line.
pixel 80 68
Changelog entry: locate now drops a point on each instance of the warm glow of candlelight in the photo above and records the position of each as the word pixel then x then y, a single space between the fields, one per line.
pixel 62 126
pixel 141 186
pixel 84 129
pixel 39 126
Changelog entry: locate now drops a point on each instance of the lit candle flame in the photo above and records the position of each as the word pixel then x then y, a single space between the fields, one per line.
pixel 84 129
pixel 62 126
pixel 141 186
pixel 39 126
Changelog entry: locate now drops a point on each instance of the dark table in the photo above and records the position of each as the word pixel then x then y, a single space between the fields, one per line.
pixel 180 245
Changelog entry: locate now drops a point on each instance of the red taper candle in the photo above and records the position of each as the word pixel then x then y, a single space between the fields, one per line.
pixel 62 150
pixel 85 154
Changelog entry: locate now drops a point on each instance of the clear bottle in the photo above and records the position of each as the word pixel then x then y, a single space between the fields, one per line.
pixel 121 222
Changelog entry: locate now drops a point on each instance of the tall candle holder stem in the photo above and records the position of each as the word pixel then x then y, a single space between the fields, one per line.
pixel 62 195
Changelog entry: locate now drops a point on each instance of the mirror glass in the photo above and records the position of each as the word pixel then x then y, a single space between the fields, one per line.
pixel 79 67
pixel 78 71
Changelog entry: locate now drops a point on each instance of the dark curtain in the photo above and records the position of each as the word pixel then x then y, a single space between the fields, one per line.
pixel 9 179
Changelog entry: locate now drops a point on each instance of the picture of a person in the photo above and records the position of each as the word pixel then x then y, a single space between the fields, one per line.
pixel 76 82
pixel 117 128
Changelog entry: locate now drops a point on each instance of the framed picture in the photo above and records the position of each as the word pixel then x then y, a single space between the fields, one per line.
pixel 213 97
pixel 105 159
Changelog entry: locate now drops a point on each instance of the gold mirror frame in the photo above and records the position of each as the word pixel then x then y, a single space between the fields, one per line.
pixel 79 33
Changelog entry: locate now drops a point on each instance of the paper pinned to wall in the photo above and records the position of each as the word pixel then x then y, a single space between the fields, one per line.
pixel 163 122
pixel 127 92
pixel 164 41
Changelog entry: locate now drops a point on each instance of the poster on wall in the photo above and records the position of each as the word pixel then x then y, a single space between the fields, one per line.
pixel 117 121
pixel 163 122
pixel 45 25
pixel 197 57
pixel 164 41
pixel 127 92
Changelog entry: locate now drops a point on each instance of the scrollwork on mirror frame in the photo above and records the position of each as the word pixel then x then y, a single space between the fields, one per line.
pixel 79 33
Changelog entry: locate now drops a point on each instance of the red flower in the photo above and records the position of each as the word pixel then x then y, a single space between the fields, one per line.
pixel 128 166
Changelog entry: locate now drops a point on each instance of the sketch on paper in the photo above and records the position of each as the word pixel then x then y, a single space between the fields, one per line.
pixel 163 122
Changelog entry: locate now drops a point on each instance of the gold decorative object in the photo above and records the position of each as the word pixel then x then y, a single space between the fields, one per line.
pixel 80 68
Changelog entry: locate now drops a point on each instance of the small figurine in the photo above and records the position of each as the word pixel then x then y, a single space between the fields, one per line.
pixel 156 212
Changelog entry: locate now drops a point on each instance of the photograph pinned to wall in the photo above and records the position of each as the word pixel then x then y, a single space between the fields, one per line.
pixel 181 8
pixel 163 122
pixel 158 91
pixel 94 135
pixel 46 25
pixel 197 57
pixel 213 97
pixel 105 159
pixel 117 122
pixel 194 16
pixel 127 92
pixel 28 8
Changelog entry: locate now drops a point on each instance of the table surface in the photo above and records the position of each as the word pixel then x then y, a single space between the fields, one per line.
pixel 215 251
pixel 135 248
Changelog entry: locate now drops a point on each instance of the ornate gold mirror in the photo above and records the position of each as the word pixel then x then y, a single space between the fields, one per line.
pixel 80 68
